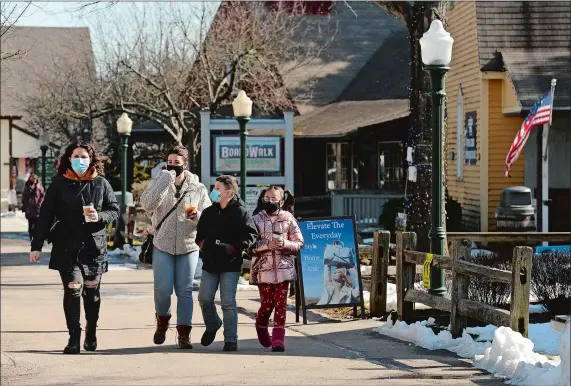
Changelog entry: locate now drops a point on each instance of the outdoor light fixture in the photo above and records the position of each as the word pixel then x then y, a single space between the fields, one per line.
pixel 124 124
pixel 436 51
pixel 242 107
pixel 436 45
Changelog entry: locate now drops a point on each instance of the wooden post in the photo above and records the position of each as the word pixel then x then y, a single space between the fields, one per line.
pixel 521 280
pixel 405 274
pixel 380 273
pixel 460 252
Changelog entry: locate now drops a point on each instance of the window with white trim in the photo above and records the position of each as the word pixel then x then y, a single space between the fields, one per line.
pixel 460 134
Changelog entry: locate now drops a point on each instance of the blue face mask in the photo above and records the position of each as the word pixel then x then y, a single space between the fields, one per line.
pixel 80 165
pixel 215 196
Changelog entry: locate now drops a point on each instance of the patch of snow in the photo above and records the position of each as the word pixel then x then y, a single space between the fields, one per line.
pixel 244 285
pixel 421 335
pixel 537 309
pixel 545 339
pixel 16 214
pixel 509 356
pixel 128 251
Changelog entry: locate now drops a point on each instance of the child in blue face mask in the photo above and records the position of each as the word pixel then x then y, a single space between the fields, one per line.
pixel 225 232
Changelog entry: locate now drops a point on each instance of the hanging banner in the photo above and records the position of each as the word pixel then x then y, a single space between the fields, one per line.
pixel 329 269
pixel 470 149
pixel 263 154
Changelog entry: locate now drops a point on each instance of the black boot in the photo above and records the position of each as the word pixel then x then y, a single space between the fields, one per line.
pixel 90 342
pixel 74 342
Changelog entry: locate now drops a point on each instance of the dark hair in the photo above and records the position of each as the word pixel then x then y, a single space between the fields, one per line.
pixel 65 163
pixel 34 177
pixel 287 196
pixel 181 151
pixel 229 182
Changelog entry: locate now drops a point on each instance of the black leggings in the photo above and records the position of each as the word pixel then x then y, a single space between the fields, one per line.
pixel 76 285
pixel 31 227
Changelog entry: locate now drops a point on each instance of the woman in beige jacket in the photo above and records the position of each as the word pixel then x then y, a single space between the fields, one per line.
pixel 175 253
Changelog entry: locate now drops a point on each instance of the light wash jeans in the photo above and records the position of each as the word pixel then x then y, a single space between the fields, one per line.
pixel 174 272
pixel 228 282
pixel 197 274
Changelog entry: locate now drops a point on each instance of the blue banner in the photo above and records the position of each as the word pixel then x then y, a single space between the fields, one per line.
pixel 329 263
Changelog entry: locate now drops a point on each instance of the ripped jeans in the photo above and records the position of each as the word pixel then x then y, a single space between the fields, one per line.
pixel 75 286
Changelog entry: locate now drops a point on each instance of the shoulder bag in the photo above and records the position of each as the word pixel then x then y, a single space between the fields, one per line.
pixel 146 255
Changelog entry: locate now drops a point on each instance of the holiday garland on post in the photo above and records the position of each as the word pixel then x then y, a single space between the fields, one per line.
pixel 417 16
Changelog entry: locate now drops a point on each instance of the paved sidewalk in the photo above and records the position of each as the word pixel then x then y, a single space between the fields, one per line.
pixel 346 353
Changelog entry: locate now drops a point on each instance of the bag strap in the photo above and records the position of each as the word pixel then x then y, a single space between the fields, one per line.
pixel 170 211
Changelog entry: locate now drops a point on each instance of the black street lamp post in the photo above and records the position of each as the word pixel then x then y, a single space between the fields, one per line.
pixel 44 141
pixel 436 48
pixel 124 126
pixel 242 107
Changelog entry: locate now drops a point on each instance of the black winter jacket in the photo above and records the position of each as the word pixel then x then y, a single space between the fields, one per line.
pixel 225 235
pixel 61 221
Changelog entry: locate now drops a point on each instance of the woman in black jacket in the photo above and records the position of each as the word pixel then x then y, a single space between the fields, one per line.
pixel 225 232
pixel 78 206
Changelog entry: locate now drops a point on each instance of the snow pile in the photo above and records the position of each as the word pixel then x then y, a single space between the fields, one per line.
pixel 512 356
pixel 244 285
pixel 128 251
pixel 17 214
pixel 420 334
pixel 545 339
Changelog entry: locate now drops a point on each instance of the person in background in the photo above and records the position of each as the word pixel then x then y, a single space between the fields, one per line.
pixel 78 206
pixel 32 198
pixel 175 253
pixel 225 233
pixel 273 263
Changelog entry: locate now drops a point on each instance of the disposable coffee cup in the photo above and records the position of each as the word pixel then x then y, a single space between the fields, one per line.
pixel 277 236
pixel 87 211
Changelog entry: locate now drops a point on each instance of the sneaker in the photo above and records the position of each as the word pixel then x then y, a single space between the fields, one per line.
pixel 209 336
pixel 230 346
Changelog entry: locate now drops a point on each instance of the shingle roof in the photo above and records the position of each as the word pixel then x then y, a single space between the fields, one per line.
pixel 361 28
pixel 534 39
pixel 531 73
pixel 341 118
pixel 48 48
pixel 373 88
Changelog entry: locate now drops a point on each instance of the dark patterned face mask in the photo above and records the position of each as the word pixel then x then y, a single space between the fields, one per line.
pixel 178 169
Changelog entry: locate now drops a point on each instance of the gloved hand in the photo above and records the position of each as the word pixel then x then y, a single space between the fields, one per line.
pixel 227 248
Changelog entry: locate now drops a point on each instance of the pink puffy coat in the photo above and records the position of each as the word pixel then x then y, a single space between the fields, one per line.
pixel 277 266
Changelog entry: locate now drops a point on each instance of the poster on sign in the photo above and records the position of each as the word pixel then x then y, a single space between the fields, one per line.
pixel 328 264
pixel 263 154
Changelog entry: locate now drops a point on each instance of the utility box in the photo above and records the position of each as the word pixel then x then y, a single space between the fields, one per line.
pixel 516 212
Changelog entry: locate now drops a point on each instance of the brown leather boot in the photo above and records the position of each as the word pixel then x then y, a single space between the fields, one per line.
pixel 183 340
pixel 162 327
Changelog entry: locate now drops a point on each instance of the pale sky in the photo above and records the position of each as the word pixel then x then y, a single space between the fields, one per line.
pixel 64 14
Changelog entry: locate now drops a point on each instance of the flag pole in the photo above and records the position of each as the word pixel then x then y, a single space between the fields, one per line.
pixel 543 178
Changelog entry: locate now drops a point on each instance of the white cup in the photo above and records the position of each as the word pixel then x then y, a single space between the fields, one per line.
pixel 86 212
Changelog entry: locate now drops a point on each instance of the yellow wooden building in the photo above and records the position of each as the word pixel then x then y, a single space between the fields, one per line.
pixel 504 56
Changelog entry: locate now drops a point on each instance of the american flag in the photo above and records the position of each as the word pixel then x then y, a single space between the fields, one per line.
pixel 540 114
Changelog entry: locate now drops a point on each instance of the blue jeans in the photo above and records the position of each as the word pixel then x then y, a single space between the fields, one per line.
pixel 174 272
pixel 228 282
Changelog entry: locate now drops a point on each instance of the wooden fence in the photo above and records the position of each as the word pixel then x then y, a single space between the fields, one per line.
pixel 459 306
pixel 131 219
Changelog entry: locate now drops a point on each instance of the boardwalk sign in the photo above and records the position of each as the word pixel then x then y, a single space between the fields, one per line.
pixel 263 154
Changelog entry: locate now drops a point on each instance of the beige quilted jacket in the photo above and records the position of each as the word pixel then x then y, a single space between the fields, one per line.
pixel 177 234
